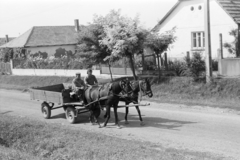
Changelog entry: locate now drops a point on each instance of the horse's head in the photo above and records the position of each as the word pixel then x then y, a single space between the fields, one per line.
pixel 145 87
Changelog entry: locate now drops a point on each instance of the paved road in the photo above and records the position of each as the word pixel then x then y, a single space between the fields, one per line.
pixel 193 128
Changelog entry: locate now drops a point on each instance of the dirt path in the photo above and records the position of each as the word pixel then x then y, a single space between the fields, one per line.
pixel 201 129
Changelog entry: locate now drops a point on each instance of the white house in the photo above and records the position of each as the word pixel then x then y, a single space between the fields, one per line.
pixel 188 18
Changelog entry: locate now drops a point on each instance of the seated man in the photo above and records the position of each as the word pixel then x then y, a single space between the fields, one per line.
pixel 78 86
pixel 90 79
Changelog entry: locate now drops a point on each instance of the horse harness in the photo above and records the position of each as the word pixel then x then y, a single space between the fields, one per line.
pixel 110 91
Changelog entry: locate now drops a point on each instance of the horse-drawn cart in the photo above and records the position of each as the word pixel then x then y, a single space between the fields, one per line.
pixel 59 95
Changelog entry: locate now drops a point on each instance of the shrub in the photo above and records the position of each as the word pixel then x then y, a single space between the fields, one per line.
pixel 195 66
pixel 178 66
pixel 214 65
pixel 53 63
pixel 231 47
pixel 6 54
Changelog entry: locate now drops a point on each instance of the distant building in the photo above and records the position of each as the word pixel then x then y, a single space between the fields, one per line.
pixel 188 18
pixel 47 40
pixel 4 40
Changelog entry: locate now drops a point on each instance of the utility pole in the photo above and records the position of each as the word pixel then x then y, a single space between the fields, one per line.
pixel 207 41
pixel 238 44
pixel 221 44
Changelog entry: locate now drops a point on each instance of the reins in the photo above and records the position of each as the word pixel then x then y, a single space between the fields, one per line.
pixel 142 92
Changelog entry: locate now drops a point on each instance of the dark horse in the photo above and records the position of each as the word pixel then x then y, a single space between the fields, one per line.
pixel 108 96
pixel 137 86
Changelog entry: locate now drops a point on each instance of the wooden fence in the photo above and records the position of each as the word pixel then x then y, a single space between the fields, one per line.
pixel 5 68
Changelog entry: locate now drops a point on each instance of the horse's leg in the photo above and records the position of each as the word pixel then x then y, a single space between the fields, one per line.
pixel 139 114
pixel 126 114
pixel 108 109
pixel 91 114
pixel 96 120
pixel 116 116
pixel 105 115
pixel 91 117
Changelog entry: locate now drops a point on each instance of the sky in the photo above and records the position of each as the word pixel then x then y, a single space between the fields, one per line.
pixel 18 16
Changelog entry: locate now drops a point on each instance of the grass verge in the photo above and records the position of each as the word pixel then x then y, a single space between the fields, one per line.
pixel 222 93
pixel 23 138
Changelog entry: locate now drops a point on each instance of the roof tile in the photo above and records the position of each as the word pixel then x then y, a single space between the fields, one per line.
pixel 52 35
pixel 232 7
pixel 45 36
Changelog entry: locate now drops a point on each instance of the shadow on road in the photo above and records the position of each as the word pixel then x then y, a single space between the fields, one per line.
pixel 82 118
pixel 157 122
pixel 133 119
pixel 6 112
pixel 58 116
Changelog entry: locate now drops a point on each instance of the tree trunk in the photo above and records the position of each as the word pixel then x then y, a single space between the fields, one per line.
pixel 143 62
pixel 159 71
pixel 109 66
pixel 132 66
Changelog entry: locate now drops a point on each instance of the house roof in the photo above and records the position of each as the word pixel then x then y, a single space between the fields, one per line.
pixel 157 27
pixel 45 36
pixel 3 40
pixel 18 42
pixel 232 7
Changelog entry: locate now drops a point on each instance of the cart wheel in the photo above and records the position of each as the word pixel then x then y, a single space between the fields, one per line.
pixel 70 114
pixel 46 110
pixel 97 112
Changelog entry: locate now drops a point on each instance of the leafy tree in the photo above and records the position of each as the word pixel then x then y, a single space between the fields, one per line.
pixel 160 43
pixel 233 46
pixel 123 36
pixel 40 54
pixel 61 52
pixel 89 47
pixel 193 67
pixel 6 54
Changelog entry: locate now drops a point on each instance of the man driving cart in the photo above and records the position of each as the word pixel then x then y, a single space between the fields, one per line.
pixel 78 87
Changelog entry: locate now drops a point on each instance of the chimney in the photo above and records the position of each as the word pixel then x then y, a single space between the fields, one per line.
pixel 76 25
pixel 7 40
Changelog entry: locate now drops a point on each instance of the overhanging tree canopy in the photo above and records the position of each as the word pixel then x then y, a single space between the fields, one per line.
pixel 89 46
pixel 124 36
pixel 115 36
pixel 160 43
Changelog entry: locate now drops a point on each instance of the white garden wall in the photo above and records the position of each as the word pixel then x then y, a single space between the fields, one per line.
pixel 60 72
pixel 51 72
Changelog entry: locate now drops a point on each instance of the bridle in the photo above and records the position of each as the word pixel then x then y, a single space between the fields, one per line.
pixel 145 90
pixel 142 84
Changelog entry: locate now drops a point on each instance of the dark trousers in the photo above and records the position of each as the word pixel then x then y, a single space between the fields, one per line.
pixel 80 94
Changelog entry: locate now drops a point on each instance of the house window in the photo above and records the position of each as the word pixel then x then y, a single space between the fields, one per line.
pixel 198 40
